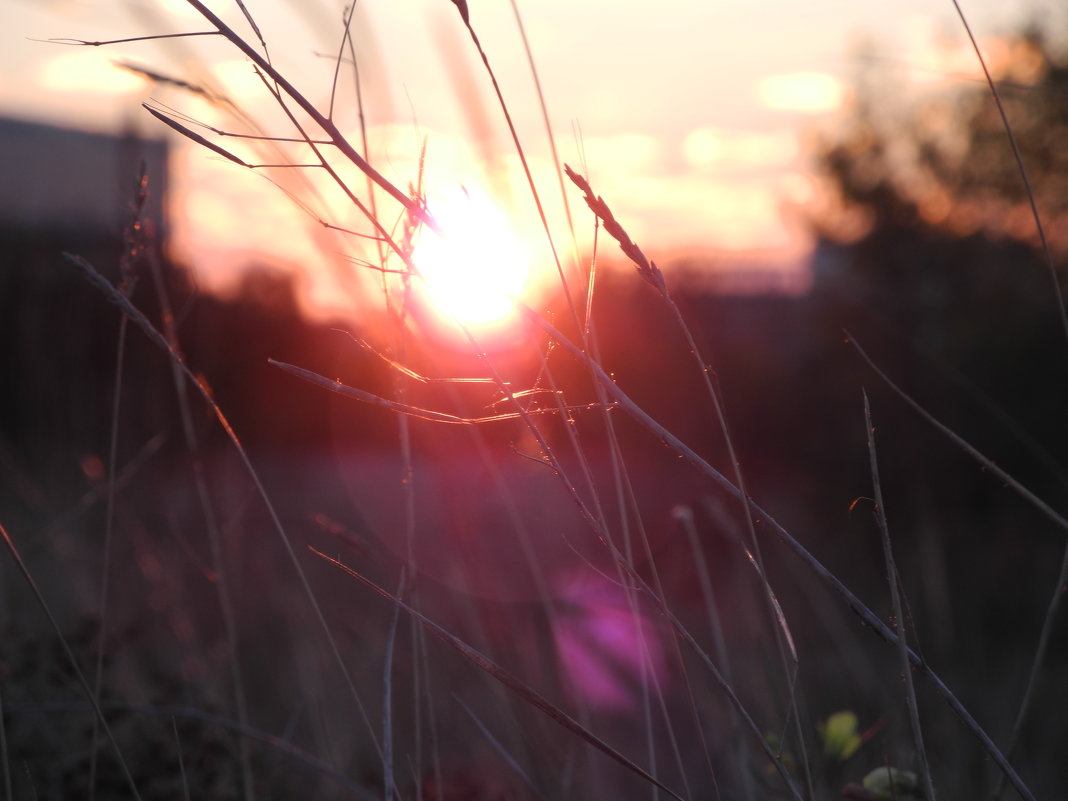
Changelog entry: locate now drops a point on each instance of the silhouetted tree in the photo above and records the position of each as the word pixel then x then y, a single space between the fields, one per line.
pixel 946 273
pixel 946 162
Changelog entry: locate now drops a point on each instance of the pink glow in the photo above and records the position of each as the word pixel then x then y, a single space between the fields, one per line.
pixel 601 642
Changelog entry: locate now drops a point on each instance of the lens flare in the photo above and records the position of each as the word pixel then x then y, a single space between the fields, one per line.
pixel 606 647
pixel 472 273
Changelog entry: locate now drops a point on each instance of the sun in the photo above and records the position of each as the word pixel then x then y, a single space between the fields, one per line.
pixel 472 273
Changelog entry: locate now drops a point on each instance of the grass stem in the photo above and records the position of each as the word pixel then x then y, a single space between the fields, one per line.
pixel 898 611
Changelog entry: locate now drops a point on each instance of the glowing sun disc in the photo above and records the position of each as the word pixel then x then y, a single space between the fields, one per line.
pixel 472 273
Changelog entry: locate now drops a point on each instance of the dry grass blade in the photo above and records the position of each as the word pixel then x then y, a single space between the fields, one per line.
pixel 309 126
pixel 407 372
pixel 773 599
pixel 548 125
pixel 427 414
pixel 178 83
pixel 82 680
pixel 732 697
pixel 869 618
pixel 986 462
pixel 194 136
pixel 646 269
pixel 346 40
pixel 389 787
pixel 106 42
pixel 181 760
pixel 1062 580
pixel 685 516
pixel 897 607
pixel 652 274
pixel 252 24
pixel 509 760
pixel 1022 168
pixel 1054 607
pixel 494 670
pixel 222 583
pixel 138 317
pixel 327 125
pixel 461 7
pixel 342 145
pixel 109 526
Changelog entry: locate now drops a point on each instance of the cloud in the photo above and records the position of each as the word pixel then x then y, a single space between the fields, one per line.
pixel 719 148
pixel 86 71
pixel 811 92
pixel 627 152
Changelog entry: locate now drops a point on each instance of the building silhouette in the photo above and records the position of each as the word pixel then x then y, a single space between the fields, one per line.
pixel 64 190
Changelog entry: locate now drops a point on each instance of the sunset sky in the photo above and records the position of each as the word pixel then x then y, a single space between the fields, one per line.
pixel 691 118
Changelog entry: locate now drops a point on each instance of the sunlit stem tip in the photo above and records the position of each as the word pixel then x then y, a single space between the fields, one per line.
pixel 646 269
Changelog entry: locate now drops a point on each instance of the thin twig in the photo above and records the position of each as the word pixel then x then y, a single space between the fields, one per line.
pixel 461 6
pixel 509 760
pixel 510 681
pixel 548 125
pixel 82 680
pixel 327 125
pixel 106 42
pixel 685 516
pixel 221 580
pixel 1056 599
pixel 896 606
pixel 986 462
pixel 138 317
pixel 181 760
pixel 1023 171
pixel 388 779
pixel 419 412
pixel 406 371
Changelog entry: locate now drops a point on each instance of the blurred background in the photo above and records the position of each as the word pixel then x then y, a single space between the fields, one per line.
pixel 798 172
pixel 698 125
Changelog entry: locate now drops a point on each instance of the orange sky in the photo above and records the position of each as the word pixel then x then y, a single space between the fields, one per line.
pixel 688 116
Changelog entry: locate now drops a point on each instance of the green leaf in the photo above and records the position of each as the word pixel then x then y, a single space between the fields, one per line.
pixel 890 783
pixel 840 737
